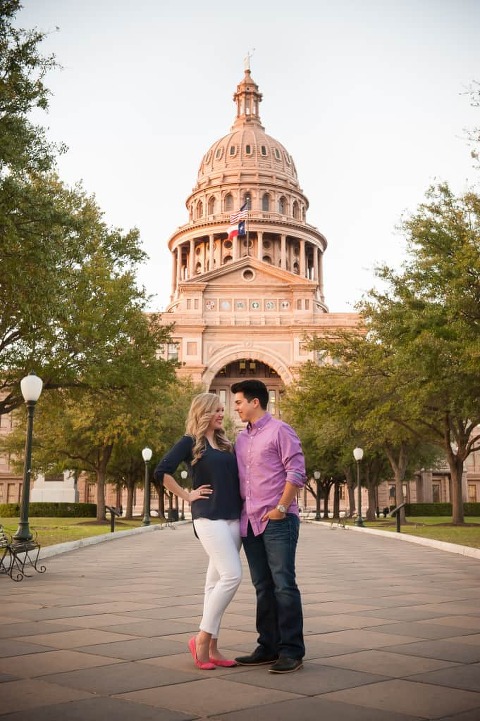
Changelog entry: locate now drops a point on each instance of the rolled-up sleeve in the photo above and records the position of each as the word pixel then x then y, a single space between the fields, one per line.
pixel 292 456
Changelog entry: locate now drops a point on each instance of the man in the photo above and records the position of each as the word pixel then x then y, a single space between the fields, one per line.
pixel 271 467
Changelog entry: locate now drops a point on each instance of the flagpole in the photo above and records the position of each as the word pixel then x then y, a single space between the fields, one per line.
pixel 248 225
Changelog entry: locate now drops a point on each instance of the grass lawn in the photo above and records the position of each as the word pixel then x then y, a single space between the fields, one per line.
pixel 438 528
pixel 60 530
pixel 51 531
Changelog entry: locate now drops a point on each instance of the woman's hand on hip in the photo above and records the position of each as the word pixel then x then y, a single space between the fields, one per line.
pixel 201 492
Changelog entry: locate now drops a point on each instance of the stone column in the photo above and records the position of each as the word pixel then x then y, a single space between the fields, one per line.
pixel 283 252
pixel 302 259
pixel 211 255
pixel 260 245
pixel 191 259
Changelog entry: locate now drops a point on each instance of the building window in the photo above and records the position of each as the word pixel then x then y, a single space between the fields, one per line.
pixel 211 205
pixel 263 150
pixel 233 150
pixel 272 402
pixel 436 492
pixel 218 153
pixel 277 154
pixel 266 202
pixel 282 205
pixel 228 202
pixel 248 149
pixel 172 351
pixel 472 493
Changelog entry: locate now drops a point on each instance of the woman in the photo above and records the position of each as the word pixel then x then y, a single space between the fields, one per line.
pixel 216 504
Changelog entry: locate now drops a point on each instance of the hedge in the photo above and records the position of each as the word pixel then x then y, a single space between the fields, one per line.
pixel 439 509
pixel 50 510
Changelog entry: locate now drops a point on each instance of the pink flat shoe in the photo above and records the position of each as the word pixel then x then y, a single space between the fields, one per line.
pixel 223 662
pixel 192 645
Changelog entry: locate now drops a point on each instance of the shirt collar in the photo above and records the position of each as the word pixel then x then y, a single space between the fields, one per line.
pixel 258 425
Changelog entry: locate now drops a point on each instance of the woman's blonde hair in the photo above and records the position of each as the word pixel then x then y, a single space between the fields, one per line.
pixel 202 408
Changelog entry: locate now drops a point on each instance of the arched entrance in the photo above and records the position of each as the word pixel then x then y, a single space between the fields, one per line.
pixel 241 369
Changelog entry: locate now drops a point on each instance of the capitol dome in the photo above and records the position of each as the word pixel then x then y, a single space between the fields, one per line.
pixel 247 145
pixel 248 148
pixel 247 175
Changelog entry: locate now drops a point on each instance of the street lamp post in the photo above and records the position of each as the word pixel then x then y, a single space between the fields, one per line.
pixel 184 475
pixel 316 475
pixel 146 454
pixel 358 455
pixel 31 387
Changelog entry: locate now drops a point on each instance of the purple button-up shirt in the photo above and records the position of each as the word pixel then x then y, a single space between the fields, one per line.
pixel 269 454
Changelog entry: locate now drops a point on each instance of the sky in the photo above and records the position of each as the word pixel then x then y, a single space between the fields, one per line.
pixel 370 97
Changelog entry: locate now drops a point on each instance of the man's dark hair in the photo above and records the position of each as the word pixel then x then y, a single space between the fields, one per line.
pixel 252 389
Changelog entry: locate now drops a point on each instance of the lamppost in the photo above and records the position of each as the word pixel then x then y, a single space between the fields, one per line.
pixel 31 387
pixel 358 455
pixel 184 475
pixel 316 475
pixel 146 454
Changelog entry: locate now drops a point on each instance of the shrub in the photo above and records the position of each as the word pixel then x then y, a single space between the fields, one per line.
pixel 50 510
pixel 439 509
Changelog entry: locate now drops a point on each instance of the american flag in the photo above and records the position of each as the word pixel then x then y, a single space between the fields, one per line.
pixel 242 213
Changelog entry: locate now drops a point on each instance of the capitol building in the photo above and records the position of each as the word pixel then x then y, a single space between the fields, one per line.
pixel 247 267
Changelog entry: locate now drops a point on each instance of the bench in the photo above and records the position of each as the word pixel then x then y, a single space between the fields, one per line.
pixel 18 556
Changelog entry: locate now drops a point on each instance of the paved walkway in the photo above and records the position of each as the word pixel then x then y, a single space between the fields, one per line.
pixel 392 634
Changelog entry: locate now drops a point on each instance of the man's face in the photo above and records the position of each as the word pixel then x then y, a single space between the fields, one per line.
pixel 247 410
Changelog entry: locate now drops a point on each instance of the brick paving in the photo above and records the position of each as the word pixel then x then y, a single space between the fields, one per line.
pixel 392 632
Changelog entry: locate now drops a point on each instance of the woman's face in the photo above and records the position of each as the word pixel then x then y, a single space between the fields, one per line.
pixel 216 421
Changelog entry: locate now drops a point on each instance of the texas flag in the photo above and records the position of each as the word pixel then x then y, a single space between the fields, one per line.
pixel 237 222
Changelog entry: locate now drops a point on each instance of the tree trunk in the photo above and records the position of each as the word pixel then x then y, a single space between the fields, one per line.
pixel 129 508
pixel 336 500
pixel 101 494
pixel 101 472
pixel 399 468
pixel 372 502
pixel 456 473
pixel 161 499
pixel 351 491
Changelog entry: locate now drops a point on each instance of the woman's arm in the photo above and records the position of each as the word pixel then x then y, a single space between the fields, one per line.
pixel 171 485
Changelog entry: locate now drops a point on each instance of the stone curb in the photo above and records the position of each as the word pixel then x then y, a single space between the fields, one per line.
pixel 49 551
pixel 440 545
pixel 55 550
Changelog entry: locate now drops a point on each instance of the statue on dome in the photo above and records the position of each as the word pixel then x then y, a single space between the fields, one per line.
pixel 246 61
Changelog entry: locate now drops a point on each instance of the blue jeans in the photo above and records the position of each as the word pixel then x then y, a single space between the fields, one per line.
pixel 271 559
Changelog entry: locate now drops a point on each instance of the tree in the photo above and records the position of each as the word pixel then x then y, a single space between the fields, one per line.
pixel 59 263
pixel 430 318
pixel 23 147
pixel 78 428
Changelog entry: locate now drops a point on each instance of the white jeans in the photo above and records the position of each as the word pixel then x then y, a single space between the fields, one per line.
pixel 221 541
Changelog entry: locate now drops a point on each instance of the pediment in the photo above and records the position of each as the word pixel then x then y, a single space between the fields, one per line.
pixel 237 274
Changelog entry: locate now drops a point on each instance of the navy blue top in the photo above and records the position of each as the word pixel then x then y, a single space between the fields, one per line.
pixel 217 468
